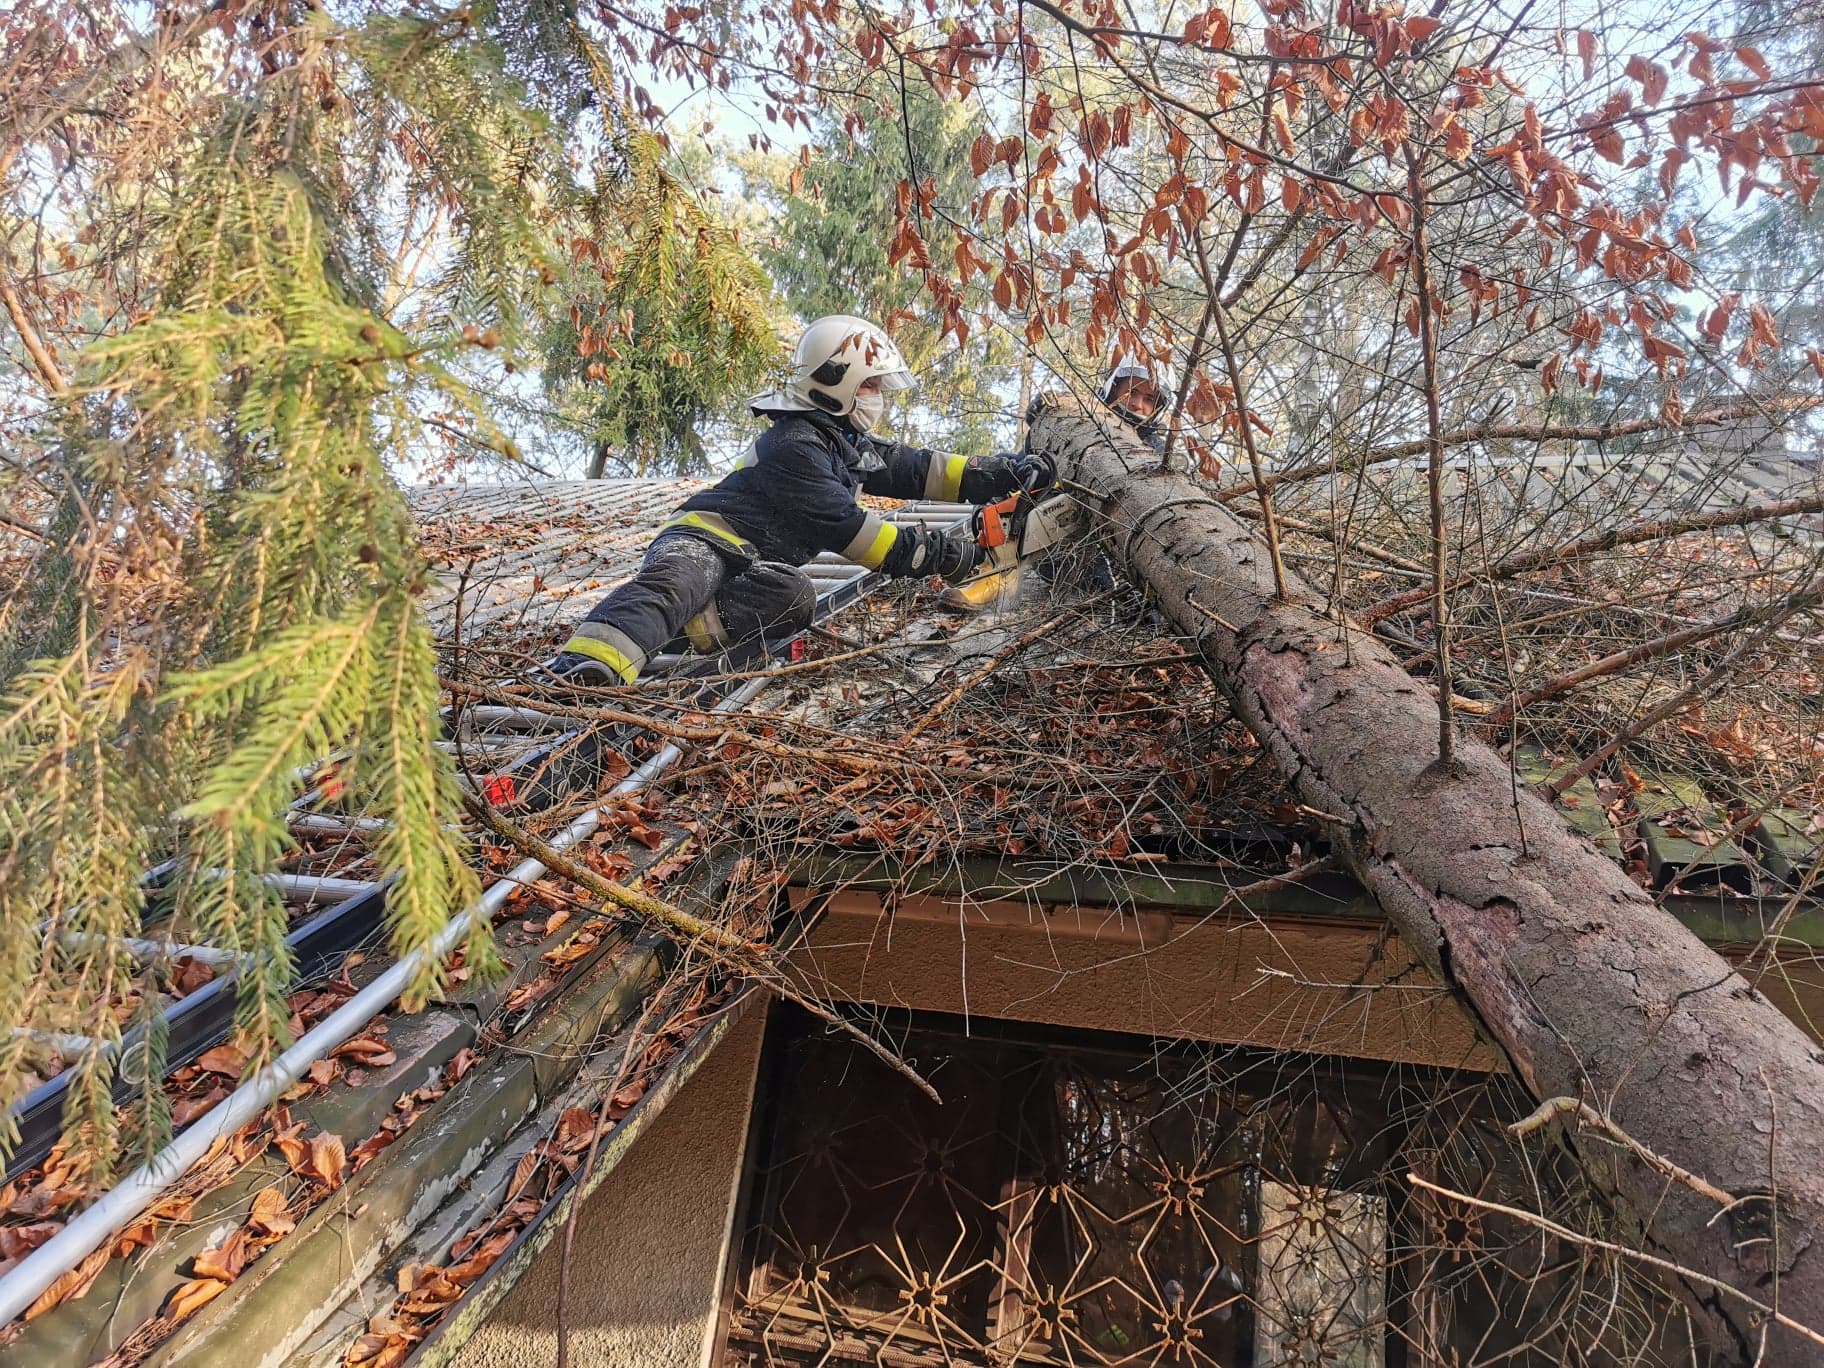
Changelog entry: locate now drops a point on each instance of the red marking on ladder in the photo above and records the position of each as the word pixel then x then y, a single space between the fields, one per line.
pixel 499 789
pixel 800 650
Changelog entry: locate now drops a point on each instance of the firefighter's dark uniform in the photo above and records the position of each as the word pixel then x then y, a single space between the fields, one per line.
pixel 724 569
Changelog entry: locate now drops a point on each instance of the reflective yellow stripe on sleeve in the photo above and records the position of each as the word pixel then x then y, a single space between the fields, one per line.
pixel 944 477
pixel 869 546
pixel 953 477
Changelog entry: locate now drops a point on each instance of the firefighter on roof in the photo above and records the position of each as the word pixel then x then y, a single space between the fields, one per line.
pixel 724 569
pixel 1131 392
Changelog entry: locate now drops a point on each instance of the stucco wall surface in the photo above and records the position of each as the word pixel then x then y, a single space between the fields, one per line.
pixel 646 1269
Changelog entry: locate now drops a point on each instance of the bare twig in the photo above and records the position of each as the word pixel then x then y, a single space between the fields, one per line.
pixel 1554 1107
pixel 741 955
pixel 1624 1251
pixel 1525 432
pixel 1540 558
pixel 994 662
pixel 1650 650
pixel 1246 428
pixel 1434 433
pixel 48 369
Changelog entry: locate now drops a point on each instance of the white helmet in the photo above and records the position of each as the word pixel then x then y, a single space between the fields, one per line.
pixel 835 355
pixel 1126 370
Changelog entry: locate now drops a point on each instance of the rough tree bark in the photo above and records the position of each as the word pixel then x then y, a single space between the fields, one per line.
pixel 1592 991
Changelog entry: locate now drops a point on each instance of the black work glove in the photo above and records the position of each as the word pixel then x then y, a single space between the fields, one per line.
pixel 1037 470
pixel 926 551
pixel 987 478
pixel 958 557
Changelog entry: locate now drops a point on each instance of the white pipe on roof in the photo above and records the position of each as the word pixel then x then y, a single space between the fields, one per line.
pixel 140 1189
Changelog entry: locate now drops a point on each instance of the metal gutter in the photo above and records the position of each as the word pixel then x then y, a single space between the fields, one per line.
pixel 1720 918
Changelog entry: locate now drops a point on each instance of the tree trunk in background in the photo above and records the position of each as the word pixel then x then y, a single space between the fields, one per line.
pixel 1591 990
pixel 598 461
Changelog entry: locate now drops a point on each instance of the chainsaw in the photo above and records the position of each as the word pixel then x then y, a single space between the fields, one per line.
pixel 1013 531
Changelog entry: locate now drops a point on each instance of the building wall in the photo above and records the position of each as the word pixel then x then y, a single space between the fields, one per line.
pixel 646 1268
pixel 1288 983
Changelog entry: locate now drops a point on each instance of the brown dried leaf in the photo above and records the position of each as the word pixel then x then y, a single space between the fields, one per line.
pixel 575 1129
pixel 523 1171
pixel 371 1146
pixel 322 1072
pixel 226 1262
pixel 483 1258
pixel 48 1197
pixel 326 1160
pixel 367 1052
pixel 140 1235
pixel 191 974
pixel 296 1152
pixel 378 1351
pixel 572 950
pixel 525 995
pixel 432 1290
pixel 18 1241
pixel 384 1324
pixel 190 1108
pixel 193 1296
pixel 226 1060
pixel 71 1285
pixel 631 1093
pixel 176 1206
pixel 271 1213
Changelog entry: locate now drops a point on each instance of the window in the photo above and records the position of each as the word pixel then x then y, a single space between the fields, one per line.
pixel 1080 1200
pixel 1064 1204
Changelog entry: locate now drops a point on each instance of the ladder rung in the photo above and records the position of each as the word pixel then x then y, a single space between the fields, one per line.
pixel 484 745
pixel 492 716
pixel 305 888
pixel 908 517
pixel 323 824
pixel 142 949
pixel 61 1041
pixel 318 888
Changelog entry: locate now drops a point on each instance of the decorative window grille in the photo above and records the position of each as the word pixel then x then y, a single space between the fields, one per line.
pixel 1104 1204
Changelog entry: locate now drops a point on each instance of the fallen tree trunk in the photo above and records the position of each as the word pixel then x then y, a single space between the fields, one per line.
pixel 1593 992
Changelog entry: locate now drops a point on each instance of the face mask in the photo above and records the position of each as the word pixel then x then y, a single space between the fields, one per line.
pixel 868 411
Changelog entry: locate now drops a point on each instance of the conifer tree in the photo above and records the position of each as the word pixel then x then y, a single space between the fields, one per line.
pixel 258 260
pixel 834 219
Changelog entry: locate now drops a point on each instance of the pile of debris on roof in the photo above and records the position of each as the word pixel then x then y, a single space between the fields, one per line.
pixel 1060 731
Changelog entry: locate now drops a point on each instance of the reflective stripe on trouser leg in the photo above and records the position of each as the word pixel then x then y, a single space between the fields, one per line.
pixel 705 631
pixel 609 645
pixel 678 579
